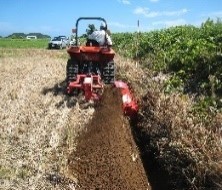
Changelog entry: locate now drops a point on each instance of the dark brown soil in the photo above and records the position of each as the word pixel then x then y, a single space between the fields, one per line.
pixel 106 155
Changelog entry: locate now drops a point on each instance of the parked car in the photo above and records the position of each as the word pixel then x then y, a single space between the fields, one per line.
pixel 66 39
pixel 57 43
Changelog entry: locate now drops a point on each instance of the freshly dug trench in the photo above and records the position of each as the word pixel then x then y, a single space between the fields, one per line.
pixel 106 156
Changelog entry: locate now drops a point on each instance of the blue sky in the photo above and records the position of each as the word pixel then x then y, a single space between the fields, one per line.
pixel 58 17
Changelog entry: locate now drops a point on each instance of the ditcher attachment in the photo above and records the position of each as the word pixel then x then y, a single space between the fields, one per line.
pixel 92 87
pixel 90 84
pixel 130 106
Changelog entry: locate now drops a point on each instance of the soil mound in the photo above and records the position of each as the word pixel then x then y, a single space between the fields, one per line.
pixel 106 156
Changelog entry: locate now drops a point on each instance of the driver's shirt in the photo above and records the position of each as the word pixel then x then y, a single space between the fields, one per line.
pixel 101 37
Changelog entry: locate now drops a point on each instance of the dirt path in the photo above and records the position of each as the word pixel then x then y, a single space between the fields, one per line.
pixel 106 155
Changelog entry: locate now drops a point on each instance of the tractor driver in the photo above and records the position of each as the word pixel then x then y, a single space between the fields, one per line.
pixel 100 37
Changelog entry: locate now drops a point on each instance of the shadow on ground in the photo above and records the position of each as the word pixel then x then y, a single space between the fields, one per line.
pixel 59 89
pixel 157 177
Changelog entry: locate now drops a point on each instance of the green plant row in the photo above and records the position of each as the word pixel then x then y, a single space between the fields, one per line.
pixel 191 55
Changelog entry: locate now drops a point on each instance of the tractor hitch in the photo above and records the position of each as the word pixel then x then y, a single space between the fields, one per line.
pixel 89 84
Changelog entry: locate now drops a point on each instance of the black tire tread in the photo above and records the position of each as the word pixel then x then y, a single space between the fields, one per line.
pixel 72 69
pixel 108 75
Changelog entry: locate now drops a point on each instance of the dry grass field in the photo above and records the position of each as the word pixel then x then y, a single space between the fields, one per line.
pixel 35 116
pixel 39 126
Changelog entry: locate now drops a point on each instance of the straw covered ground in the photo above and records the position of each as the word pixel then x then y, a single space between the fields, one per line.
pixel 38 123
pixel 42 131
pixel 50 140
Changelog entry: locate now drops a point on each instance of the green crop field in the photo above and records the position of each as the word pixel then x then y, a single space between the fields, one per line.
pixel 191 57
pixel 23 43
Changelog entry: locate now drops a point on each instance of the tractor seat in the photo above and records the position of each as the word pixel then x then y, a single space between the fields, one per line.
pixel 92 43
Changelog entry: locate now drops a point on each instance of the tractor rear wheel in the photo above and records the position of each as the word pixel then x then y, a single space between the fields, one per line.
pixel 72 69
pixel 108 74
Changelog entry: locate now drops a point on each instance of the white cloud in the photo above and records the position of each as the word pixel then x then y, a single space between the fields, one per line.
pixel 125 2
pixel 150 14
pixel 145 11
pixel 168 23
pixel 175 13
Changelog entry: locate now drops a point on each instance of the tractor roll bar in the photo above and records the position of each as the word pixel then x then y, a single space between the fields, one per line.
pixel 87 18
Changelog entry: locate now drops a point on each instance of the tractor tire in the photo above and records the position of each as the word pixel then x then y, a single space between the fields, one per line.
pixel 108 74
pixel 72 69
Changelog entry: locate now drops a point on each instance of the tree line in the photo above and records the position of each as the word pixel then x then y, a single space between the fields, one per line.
pixel 23 35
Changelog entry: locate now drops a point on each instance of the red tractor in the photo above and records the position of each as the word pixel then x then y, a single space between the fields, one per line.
pixel 91 67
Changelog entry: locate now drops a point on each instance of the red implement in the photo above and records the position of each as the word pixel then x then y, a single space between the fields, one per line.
pixel 130 106
pixel 90 84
